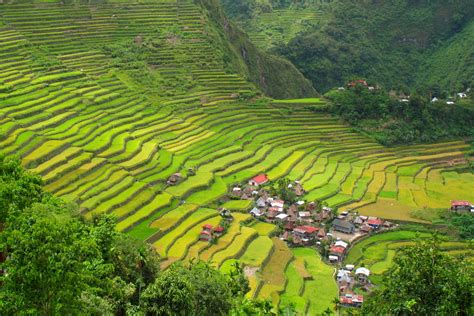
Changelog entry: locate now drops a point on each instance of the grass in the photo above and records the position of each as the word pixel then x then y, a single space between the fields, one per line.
pixel 212 193
pixel 293 290
pixel 160 201
pixel 237 205
pixel 168 220
pixel 299 101
pixel 264 229
pixel 232 250
pixel 384 265
pixel 379 251
pixel 322 289
pixel 257 251
pixel 273 273
pixel 179 230
pixel 201 179
pixel 181 245
pixel 358 251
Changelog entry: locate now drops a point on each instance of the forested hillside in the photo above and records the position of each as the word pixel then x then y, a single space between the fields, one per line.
pixel 404 45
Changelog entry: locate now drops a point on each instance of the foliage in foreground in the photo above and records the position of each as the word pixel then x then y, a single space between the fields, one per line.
pixel 424 281
pixel 59 263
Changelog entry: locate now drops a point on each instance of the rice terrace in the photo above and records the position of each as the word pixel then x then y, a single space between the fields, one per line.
pixel 130 108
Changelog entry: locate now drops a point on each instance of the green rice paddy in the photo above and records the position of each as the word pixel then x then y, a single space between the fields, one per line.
pixel 377 252
pixel 107 139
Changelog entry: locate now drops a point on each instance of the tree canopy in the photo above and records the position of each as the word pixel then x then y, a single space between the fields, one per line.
pixel 424 281
pixel 391 121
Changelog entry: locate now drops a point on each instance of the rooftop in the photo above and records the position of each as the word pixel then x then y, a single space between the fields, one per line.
pixel 260 179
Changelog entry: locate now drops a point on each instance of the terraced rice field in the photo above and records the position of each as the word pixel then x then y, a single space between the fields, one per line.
pixel 109 142
pixel 280 25
pixel 377 252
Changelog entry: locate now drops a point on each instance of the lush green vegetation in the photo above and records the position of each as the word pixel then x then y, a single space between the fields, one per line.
pixel 391 121
pixel 379 252
pixel 60 263
pixel 401 45
pixel 257 66
pixel 424 281
pixel 145 91
pixel 272 23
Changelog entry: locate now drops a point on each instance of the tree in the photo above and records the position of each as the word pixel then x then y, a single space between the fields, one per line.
pixel 285 191
pixel 59 263
pixel 248 307
pixel 424 281
pixel 464 223
pixel 19 188
pixel 239 284
pixel 172 293
pixel 194 289
pixel 52 260
pixel 337 304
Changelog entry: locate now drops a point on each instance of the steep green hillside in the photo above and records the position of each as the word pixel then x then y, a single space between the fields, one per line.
pixel 387 42
pixel 106 101
pixel 274 75
pixel 451 66
pixel 273 23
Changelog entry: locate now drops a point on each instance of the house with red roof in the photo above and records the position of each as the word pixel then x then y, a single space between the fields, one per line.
pixel 351 300
pixel 337 251
pixel 218 231
pixel 375 222
pixel 307 234
pixel 354 83
pixel 461 206
pixel 259 180
pixel 207 227
pixel 205 235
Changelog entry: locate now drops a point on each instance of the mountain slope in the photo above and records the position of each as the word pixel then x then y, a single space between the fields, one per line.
pixel 384 41
pixel 274 75
pixel 451 66
pixel 273 23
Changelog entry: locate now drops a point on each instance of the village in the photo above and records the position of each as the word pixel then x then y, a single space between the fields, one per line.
pixel 307 224
pixel 402 97
pixel 304 223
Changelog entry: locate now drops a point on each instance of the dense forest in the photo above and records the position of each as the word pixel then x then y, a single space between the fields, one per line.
pixel 403 45
pixel 389 42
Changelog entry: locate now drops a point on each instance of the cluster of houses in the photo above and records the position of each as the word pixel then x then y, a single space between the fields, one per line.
pixel 351 223
pixel 350 227
pixel 301 221
pixel 450 101
pixel 348 280
pixel 359 82
pixel 210 233
pixel 306 223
